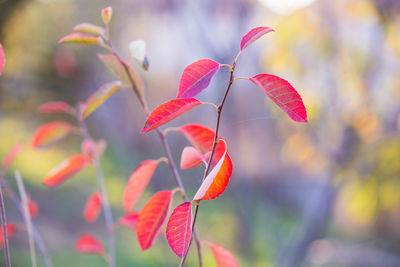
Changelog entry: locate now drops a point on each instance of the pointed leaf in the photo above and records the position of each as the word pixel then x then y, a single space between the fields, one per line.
pixel 50 133
pixel 129 220
pixel 283 94
pixel 80 38
pixel 11 229
pixel 179 229
pixel 106 14
pixel 2 59
pixel 101 95
pixel 253 35
pixel 169 111
pixel 9 158
pixel 190 158
pixel 137 49
pixel 152 217
pixel 88 244
pixel 65 170
pixel 137 183
pixel 196 77
pixel 223 257
pixel 217 180
pixel 55 106
pixel 92 208
pixel 89 28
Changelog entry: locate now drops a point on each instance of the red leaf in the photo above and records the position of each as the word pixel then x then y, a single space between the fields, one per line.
pixel 179 229
pixel 9 158
pixel 55 106
pixel 196 77
pixel 190 158
pixel 11 229
pixel 152 217
pixel 202 138
pixel 88 146
pixel 50 133
pixel 65 170
pixel 88 244
pixel 253 35
pixel 217 180
pixel 129 220
pixel 223 257
pixel 92 208
pixel 169 111
pixel 2 59
pixel 80 38
pixel 283 94
pixel 138 182
pixel 89 29
pixel 33 208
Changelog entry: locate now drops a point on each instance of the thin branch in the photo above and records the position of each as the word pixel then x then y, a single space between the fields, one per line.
pixel 4 225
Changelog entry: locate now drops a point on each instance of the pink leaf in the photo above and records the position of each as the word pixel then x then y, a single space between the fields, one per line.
pixel 169 111
pixel 179 229
pixel 196 77
pixel 33 208
pixel 217 180
pixel 11 229
pixel 283 94
pixel 129 220
pixel 152 217
pixel 92 208
pixel 137 183
pixel 253 35
pixel 9 158
pixel 2 59
pixel 223 257
pixel 50 133
pixel 190 158
pixel 88 244
pixel 55 106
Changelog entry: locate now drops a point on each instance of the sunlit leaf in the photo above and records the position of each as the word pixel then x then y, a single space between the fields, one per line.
pixel 50 133
pixel 11 229
pixel 169 111
pixel 138 182
pixel 129 220
pixel 106 14
pixel 88 146
pixel 89 28
pixel 217 180
pixel 137 49
pixel 223 257
pixel 152 217
pixel 12 153
pixel 65 170
pixel 81 38
pixel 55 106
pixel 190 158
pixel 88 244
pixel 253 35
pixel 283 94
pixel 196 77
pixel 179 229
pixel 121 69
pixel 92 208
pixel 2 59
pixel 98 97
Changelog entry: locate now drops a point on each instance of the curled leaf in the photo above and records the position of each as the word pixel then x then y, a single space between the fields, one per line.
pixel 190 158
pixel 92 208
pixel 11 229
pixel 50 133
pixel 179 229
pixel 101 95
pixel 138 52
pixel 88 244
pixel 106 14
pixel 9 158
pixel 89 28
pixel 253 35
pixel 152 217
pixel 65 170
pixel 2 59
pixel 169 111
pixel 55 106
pixel 283 94
pixel 129 220
pixel 217 180
pixel 223 257
pixel 81 38
pixel 137 183
pixel 196 77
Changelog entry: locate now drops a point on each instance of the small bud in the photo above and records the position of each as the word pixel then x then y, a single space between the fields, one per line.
pixel 106 13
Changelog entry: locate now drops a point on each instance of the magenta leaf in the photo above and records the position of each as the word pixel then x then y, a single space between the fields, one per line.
pixel 253 35
pixel 179 229
pixel 2 59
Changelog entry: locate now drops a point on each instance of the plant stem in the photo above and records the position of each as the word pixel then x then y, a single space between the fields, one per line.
pixel 4 225
pixel 219 110
pixel 165 145
pixel 100 180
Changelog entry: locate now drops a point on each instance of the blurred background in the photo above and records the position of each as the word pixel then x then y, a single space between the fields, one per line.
pixel 324 193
